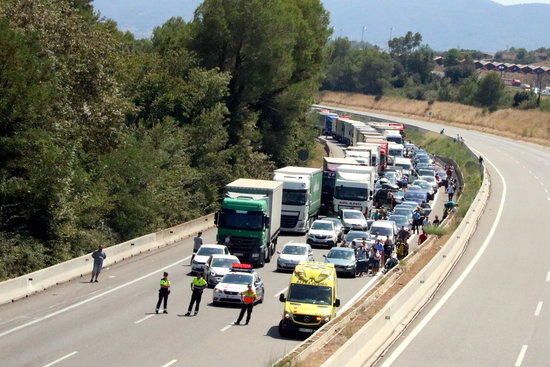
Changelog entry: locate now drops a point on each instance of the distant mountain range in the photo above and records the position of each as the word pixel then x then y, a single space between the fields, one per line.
pixel 476 24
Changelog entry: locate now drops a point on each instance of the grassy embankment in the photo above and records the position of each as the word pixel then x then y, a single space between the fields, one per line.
pixel 533 126
pixel 317 154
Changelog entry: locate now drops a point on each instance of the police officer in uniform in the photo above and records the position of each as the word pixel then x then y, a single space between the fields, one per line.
pixel 164 291
pixel 197 286
pixel 248 297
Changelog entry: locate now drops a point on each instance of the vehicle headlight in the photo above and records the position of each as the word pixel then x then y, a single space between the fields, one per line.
pixel 287 315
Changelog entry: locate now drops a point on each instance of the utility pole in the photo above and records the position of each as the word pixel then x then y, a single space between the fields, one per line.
pixel 363 36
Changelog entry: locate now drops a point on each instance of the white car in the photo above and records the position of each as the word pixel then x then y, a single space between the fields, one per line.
pixel 322 232
pixel 431 180
pixel 353 219
pixel 217 266
pixel 384 229
pixel 234 283
pixel 204 253
pixel 292 254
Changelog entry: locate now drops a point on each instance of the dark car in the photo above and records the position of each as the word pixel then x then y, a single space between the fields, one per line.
pixel 356 236
pixel 344 260
pixel 400 221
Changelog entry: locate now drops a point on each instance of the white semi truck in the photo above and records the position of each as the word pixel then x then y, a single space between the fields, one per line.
pixel 301 196
pixel 354 188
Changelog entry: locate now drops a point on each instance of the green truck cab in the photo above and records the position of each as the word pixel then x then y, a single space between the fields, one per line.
pixel 250 215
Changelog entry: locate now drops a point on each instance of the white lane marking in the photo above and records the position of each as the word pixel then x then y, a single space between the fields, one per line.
pixel 539 307
pixel 143 319
pixel 409 338
pixel 170 363
pixel 60 359
pixel 112 276
pixel 548 276
pixel 88 300
pixel 521 355
pixel 281 291
pixel 226 328
pixel 359 294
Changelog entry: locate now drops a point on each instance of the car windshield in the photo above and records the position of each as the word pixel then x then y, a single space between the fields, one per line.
pixel 235 219
pixel 294 197
pixel 223 263
pixel 233 278
pixel 294 250
pixel 340 254
pixel 337 222
pixel 351 193
pixel 353 215
pixel 356 234
pixel 429 178
pixel 417 196
pixel 424 185
pixel 396 152
pixel 426 172
pixel 314 294
pixel 402 211
pixel 207 251
pixel 380 231
pixel 405 166
pixel 400 220
pixel 323 226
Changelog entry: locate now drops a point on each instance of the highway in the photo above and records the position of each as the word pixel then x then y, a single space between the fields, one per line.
pixel 494 308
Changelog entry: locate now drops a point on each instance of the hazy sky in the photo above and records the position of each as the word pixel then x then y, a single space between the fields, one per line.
pixel 514 2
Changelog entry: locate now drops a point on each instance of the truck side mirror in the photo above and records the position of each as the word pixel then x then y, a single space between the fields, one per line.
pixel 266 221
pixel 337 302
pixel 282 298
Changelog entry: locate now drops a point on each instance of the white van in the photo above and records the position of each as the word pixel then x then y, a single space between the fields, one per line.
pixel 404 163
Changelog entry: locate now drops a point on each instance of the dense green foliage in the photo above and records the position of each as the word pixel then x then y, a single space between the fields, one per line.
pixel 407 70
pixel 104 137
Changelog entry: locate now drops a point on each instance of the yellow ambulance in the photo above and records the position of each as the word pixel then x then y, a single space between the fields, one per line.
pixel 311 299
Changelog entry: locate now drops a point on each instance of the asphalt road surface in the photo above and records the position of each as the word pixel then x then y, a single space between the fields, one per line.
pixel 494 309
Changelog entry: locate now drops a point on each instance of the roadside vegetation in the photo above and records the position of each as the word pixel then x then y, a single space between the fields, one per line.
pixel 104 137
pixel 407 70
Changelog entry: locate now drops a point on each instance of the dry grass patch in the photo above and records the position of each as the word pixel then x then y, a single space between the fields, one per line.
pixel 533 126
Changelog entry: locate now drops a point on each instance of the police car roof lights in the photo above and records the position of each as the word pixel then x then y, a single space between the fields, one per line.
pixel 246 268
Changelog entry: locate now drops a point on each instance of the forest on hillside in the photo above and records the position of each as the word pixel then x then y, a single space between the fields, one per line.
pixel 104 137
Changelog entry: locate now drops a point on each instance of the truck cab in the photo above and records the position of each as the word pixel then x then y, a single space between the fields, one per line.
pixel 311 300
pixel 301 197
pixel 249 219
pixel 353 188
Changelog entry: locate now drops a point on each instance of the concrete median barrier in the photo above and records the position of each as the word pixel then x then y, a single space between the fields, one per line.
pixel 25 285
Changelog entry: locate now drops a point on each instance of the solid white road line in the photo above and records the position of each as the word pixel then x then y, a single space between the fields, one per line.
pixel 226 328
pixel 281 291
pixel 88 300
pixel 359 294
pixel 409 338
pixel 539 307
pixel 143 319
pixel 521 355
pixel 548 276
pixel 60 359
pixel 170 363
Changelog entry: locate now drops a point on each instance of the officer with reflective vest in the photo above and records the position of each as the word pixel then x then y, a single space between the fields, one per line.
pixel 248 297
pixel 197 286
pixel 164 291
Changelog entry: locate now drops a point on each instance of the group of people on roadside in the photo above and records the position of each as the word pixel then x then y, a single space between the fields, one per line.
pixel 371 256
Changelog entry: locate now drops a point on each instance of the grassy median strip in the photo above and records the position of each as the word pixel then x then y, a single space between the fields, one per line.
pixel 389 285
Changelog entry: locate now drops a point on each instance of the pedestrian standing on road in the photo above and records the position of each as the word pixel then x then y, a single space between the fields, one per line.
pixel 362 258
pixel 451 191
pixel 388 248
pixel 436 221
pixel 197 286
pixel 249 298
pixel 164 291
pixel 98 256
pixel 197 243
pixel 379 247
pixel 416 220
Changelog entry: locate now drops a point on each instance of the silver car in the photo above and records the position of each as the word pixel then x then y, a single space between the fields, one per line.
pixel 292 254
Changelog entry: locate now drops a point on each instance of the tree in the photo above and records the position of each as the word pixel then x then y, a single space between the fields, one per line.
pixel 375 72
pixel 490 91
pixel 452 58
pixel 403 46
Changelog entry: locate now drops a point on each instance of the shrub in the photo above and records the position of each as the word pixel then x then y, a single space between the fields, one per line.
pixel 520 97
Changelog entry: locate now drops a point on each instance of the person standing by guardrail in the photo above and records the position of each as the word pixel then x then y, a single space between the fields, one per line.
pixel 164 291
pixel 98 256
pixel 450 191
pixel 197 243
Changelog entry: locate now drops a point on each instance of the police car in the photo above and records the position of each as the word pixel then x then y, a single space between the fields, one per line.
pixel 230 287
